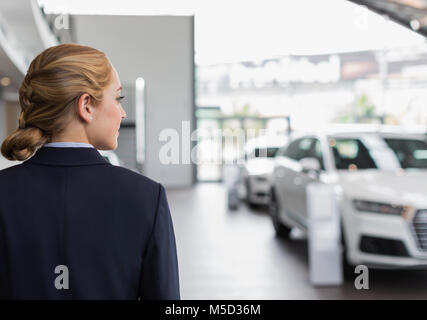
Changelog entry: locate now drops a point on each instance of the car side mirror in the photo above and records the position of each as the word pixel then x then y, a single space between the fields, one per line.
pixel 310 165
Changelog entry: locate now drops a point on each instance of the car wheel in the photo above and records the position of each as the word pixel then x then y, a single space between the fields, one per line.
pixel 233 207
pixel 233 203
pixel 233 200
pixel 281 230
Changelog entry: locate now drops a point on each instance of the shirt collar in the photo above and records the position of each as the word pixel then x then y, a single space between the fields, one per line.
pixel 65 156
pixel 69 144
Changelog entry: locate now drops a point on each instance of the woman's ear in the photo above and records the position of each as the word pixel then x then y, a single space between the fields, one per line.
pixel 84 107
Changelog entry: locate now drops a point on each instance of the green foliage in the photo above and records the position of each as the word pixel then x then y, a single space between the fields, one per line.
pixel 362 110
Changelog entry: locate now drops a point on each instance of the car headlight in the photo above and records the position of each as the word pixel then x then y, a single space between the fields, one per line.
pixel 377 207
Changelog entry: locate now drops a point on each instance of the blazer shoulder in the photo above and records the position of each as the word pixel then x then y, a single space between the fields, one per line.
pixel 134 177
pixel 11 170
pixel 131 182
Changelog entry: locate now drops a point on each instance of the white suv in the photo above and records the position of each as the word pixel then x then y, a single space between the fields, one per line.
pixel 380 181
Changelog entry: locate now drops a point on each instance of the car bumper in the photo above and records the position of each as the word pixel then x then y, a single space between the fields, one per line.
pixel 259 190
pixel 380 240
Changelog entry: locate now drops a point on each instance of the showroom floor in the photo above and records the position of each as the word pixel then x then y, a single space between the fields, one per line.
pixel 235 255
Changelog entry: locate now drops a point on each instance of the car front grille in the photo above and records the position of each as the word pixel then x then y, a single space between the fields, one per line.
pixel 419 225
pixel 261 178
pixel 390 247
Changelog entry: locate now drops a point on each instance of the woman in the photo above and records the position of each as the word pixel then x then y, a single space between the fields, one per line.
pixel 73 226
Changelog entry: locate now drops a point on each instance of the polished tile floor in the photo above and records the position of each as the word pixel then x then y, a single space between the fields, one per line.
pixel 235 255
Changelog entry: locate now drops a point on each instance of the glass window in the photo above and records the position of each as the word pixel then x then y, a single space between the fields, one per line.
pixel 292 149
pixel 305 148
pixel 351 154
pixel 299 148
pixel 281 152
pixel 412 153
pixel 269 152
pixel 316 152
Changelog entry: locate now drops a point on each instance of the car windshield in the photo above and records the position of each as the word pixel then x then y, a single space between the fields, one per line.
pixel 269 152
pixel 351 154
pixel 411 153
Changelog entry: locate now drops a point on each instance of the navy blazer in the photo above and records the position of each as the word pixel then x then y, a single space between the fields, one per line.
pixel 73 226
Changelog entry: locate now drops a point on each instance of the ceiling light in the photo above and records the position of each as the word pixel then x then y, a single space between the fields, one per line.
pixel 5 81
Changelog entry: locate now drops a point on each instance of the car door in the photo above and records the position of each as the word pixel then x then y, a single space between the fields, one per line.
pixel 288 177
pixel 302 179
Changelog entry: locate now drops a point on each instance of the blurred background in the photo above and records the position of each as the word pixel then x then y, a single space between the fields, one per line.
pixel 258 75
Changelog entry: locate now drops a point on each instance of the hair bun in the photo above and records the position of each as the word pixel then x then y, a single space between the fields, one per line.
pixel 21 144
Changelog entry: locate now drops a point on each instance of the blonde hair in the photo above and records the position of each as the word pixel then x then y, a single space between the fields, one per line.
pixel 55 80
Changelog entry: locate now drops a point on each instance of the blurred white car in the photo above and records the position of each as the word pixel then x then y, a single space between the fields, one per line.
pixel 259 165
pixel 380 181
pixel 111 157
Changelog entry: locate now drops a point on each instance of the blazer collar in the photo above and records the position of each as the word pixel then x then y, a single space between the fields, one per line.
pixel 64 156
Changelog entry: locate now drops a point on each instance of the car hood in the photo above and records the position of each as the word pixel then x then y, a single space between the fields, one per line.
pixel 406 187
pixel 259 166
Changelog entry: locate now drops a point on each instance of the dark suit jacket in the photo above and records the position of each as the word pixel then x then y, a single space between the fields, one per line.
pixel 111 227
